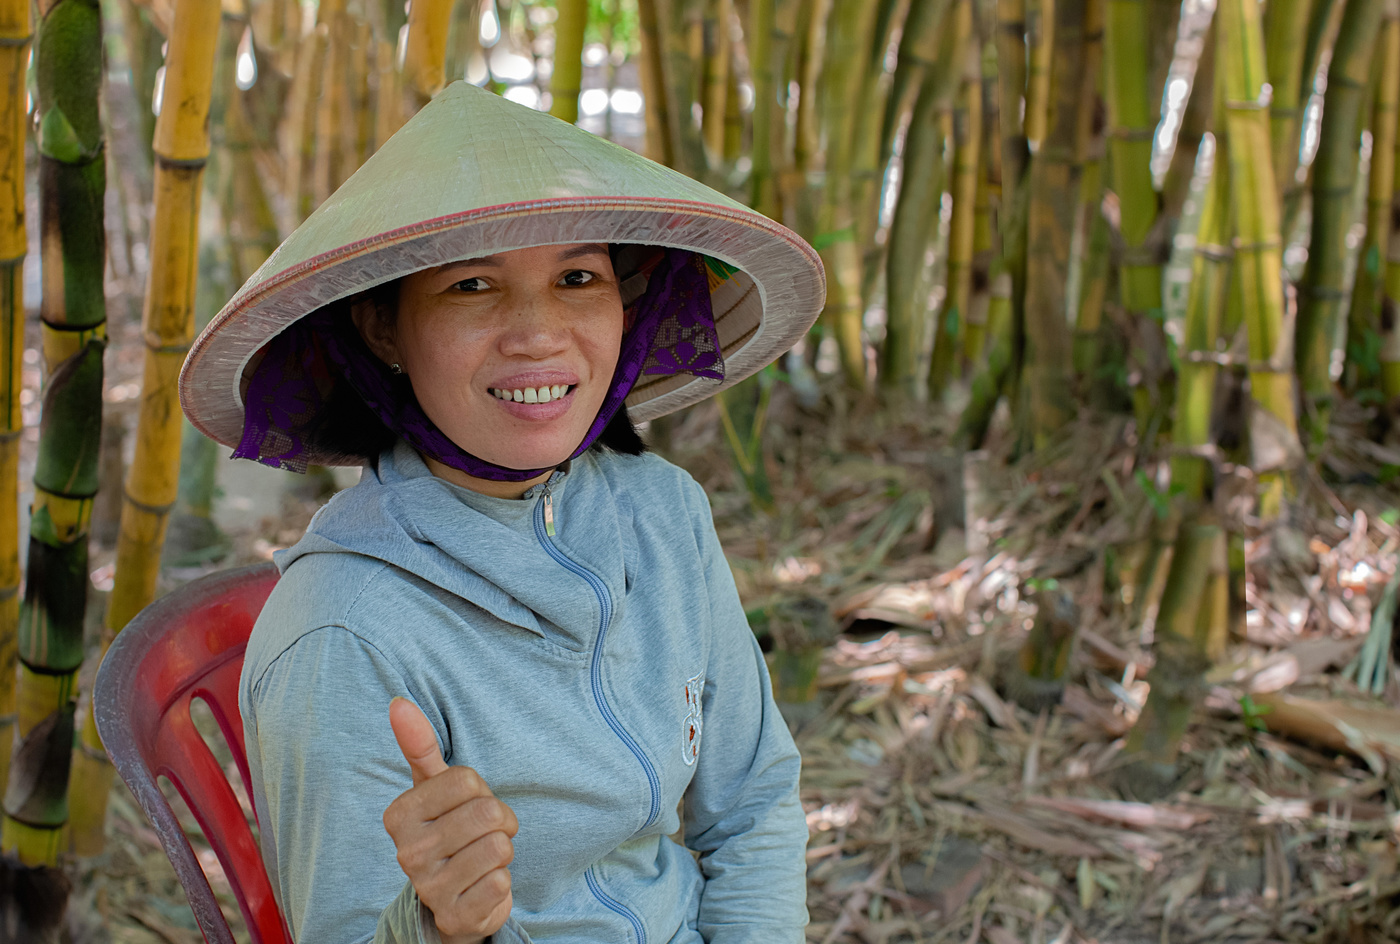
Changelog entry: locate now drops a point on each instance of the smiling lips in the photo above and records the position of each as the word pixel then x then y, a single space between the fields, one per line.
pixel 543 394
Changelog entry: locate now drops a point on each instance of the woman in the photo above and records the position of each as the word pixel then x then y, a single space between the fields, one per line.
pixel 492 670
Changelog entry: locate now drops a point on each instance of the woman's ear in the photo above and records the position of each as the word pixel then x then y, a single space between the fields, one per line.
pixel 376 330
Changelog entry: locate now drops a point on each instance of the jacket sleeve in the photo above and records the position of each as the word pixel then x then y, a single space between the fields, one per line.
pixel 742 813
pixel 328 767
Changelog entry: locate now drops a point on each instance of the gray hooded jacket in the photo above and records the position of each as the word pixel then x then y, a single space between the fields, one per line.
pixel 593 677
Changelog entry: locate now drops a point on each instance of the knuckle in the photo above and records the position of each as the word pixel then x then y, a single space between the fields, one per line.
pixel 502 849
pixel 497 882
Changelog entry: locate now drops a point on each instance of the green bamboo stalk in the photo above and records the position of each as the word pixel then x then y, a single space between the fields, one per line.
pixel 1258 250
pixel 1390 302
pixel 72 179
pixel 680 28
pixel 1285 43
pixel 847 50
pixel 1205 307
pixel 916 212
pixel 1363 321
pixel 715 82
pixel 567 78
pixel 1195 121
pixel 149 491
pixel 16 35
pixel 868 167
pixel 1133 116
pixel 1054 188
pixel 763 189
pixel 1321 289
pixel 1193 609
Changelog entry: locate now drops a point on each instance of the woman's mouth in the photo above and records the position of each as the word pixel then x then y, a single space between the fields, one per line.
pixel 543 394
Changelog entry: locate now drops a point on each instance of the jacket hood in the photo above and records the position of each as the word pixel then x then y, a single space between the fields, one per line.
pixel 486 550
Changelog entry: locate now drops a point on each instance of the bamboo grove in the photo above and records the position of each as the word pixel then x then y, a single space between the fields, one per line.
pixel 995 188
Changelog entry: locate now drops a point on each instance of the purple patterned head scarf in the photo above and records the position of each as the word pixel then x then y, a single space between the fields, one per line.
pixel 672 331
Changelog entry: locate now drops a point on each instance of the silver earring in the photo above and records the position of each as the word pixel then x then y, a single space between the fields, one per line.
pixel 395 369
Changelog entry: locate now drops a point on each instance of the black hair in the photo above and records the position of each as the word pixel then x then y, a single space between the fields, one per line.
pixel 346 426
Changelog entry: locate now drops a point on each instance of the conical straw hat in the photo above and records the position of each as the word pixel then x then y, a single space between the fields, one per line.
pixel 474 174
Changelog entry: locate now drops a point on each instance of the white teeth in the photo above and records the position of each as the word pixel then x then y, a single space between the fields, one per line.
pixel 531 394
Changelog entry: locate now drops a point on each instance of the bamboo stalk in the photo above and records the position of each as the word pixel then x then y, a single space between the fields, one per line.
pixel 658 140
pixel 182 149
pixel 1205 306
pixel 1193 610
pixel 715 84
pixel 847 49
pixel 763 190
pixel 867 167
pixel 1321 289
pixel 567 78
pixel 1040 29
pixel 895 100
pixel 1364 332
pixel 425 51
pixel 388 96
pixel 72 179
pixel 1089 249
pixel 16 36
pixel 1285 29
pixel 333 106
pixel 916 211
pixel 298 139
pixel 1133 118
pixel 1258 249
pixel 952 322
pixel 1053 190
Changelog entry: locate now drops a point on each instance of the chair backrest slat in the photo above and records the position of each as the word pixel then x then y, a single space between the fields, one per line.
pixel 190 645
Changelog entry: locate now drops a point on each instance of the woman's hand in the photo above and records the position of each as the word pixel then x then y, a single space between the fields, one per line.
pixel 453 836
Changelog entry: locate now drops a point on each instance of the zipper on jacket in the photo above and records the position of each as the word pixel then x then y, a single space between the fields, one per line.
pixel 542 511
pixel 544 530
pixel 614 905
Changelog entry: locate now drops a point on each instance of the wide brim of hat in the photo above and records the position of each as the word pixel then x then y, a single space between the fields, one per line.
pixel 434 194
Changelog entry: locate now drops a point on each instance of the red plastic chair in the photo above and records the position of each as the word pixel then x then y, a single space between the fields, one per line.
pixel 190 645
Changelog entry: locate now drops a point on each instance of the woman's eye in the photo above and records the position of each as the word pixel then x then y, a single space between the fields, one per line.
pixel 471 285
pixel 578 277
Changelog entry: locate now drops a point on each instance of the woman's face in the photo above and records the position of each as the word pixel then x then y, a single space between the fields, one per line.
pixel 509 355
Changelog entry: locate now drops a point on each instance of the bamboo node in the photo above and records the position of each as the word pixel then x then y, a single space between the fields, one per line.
pixel 1132 134
pixel 1261 245
pixel 139 505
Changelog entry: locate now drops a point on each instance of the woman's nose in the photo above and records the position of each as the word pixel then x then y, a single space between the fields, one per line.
pixel 537 328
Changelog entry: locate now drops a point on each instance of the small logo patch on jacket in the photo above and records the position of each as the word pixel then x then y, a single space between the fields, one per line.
pixel 694 719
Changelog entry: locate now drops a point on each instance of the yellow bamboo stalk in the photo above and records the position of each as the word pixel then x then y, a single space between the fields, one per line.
pixel 16 35
pixel 167 321
pixel 388 94
pixel 297 137
pixel 425 51
pixel 1258 249
pixel 358 134
pixel 1041 28
pixel 967 137
pixel 652 77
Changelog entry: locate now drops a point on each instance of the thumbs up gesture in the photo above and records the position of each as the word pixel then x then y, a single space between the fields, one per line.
pixel 453 836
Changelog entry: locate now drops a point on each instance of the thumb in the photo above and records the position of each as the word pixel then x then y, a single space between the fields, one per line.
pixel 416 738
